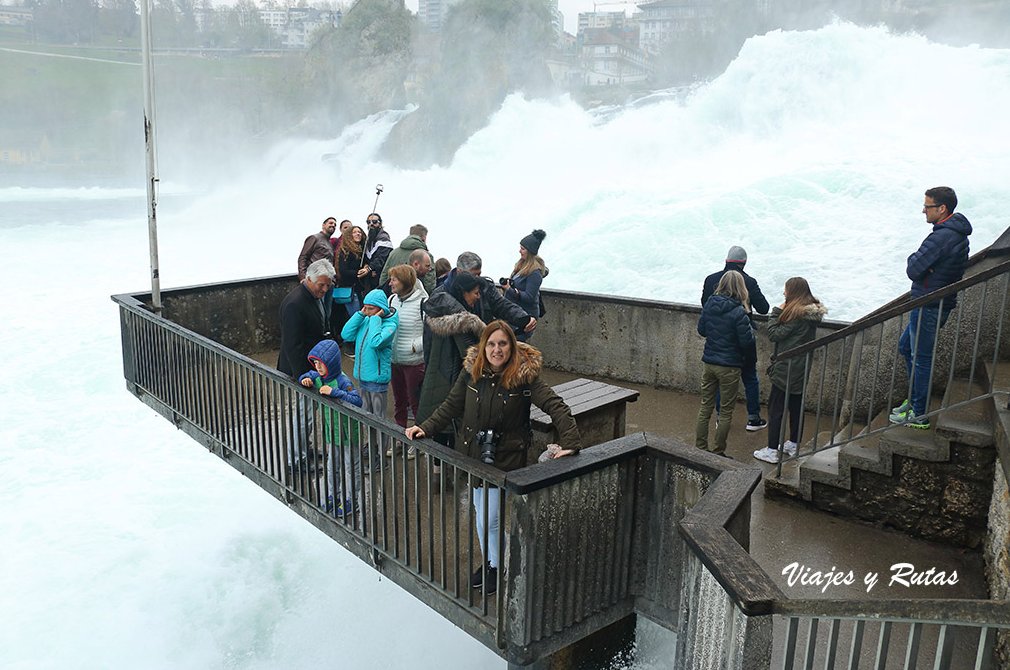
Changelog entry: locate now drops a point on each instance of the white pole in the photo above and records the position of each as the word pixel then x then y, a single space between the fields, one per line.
pixel 152 157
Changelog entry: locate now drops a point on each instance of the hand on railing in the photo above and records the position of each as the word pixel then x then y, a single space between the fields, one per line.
pixel 414 433
pixel 554 451
pixel 307 383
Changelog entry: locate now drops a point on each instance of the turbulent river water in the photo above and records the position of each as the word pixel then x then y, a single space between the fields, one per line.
pixel 127 545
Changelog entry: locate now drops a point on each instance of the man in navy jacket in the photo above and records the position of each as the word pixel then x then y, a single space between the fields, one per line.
pixel 939 261
pixel 735 260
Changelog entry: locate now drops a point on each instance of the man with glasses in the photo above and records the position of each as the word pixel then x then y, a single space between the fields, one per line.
pixel 378 246
pixel 305 321
pixel 939 261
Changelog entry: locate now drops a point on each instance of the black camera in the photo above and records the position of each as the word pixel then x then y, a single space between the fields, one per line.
pixel 488 442
pixel 503 281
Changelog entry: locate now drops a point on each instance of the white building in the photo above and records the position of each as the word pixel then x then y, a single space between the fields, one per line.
pixel 611 57
pixel 15 16
pixel 589 20
pixel 432 12
pixel 294 26
pixel 662 20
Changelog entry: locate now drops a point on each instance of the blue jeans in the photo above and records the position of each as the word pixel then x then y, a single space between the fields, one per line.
pixel 916 345
pixel 488 537
pixel 749 377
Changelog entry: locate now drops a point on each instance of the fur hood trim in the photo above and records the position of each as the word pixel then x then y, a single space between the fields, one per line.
pixel 815 311
pixel 531 361
pixel 456 323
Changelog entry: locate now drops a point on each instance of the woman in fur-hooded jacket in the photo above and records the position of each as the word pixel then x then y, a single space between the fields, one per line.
pixel 494 392
pixel 499 381
pixel 792 324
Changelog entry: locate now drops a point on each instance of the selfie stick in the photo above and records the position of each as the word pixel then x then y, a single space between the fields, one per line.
pixel 378 192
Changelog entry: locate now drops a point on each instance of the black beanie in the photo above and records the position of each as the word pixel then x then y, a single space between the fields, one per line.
pixel 532 241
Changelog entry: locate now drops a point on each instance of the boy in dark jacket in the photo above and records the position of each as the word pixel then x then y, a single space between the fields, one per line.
pixel 939 261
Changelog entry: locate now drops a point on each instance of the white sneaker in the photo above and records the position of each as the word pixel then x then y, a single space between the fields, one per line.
pixel 767 455
pixel 790 448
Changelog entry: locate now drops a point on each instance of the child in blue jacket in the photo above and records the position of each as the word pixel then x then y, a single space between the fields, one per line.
pixel 372 330
pixel 329 379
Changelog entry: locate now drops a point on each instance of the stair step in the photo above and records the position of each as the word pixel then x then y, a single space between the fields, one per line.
pixel 787 485
pixel 999 376
pixel 865 454
pixel 823 466
pixel 970 423
pixel 925 445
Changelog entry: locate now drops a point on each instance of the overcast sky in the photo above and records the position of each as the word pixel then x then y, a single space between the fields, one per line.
pixel 571 9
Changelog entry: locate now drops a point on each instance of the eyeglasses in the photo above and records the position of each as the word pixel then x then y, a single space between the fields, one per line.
pixel 372 221
pixel 930 206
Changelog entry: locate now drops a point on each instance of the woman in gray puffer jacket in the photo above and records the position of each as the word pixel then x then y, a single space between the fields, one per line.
pixel 792 324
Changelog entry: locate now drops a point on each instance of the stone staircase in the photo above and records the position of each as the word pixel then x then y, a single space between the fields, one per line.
pixel 934 484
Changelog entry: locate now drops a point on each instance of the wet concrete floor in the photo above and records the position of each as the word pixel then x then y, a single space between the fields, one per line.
pixel 786 532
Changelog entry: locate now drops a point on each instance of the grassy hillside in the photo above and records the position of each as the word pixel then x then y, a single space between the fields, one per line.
pixel 88 102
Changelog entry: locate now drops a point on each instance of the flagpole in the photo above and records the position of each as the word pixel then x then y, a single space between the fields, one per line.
pixel 151 154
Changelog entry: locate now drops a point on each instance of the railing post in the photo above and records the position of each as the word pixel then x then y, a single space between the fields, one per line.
pixel 127 335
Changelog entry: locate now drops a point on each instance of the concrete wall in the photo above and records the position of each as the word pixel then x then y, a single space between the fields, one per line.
pixel 625 339
pixel 997 545
pixel 997 553
pixel 241 315
pixel 642 341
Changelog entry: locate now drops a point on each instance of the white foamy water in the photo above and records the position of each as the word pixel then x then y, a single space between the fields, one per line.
pixel 128 545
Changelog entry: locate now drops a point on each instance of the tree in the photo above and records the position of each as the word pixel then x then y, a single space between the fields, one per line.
pixel 360 67
pixel 489 49
pixel 119 19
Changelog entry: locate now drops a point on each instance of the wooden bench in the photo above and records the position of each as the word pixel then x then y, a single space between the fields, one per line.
pixel 600 410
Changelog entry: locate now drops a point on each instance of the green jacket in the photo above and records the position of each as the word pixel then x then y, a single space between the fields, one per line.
pixel 787 336
pixel 399 256
pixel 486 404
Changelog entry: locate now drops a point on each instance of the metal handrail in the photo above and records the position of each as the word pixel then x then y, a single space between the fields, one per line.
pixel 207 412
pixel 876 318
pixel 967 612
pixel 845 406
pixel 255 417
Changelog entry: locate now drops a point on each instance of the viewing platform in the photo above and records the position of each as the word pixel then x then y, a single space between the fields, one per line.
pixel 638 525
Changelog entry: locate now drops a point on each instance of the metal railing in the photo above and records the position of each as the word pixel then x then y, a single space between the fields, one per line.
pixel 412 514
pixel 812 633
pixel 853 376
pixel 908 634
pixel 640 524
